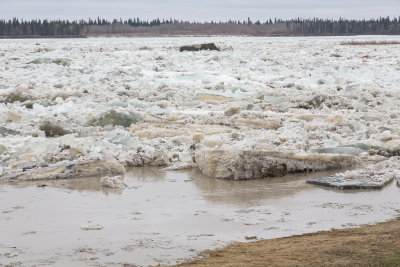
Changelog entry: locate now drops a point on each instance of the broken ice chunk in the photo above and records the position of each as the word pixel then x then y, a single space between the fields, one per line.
pixel 119 136
pixel 67 170
pixel 247 164
pixel 117 103
pixel 343 181
pixel 258 123
pixel 13 116
pixel 45 60
pixel 232 111
pixel 52 129
pixel 17 96
pixel 5 131
pixel 112 182
pixel 352 151
pixel 2 149
pixel 372 177
pixel 138 104
pixel 113 117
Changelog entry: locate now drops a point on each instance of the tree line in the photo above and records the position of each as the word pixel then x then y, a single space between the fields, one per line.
pixel 60 28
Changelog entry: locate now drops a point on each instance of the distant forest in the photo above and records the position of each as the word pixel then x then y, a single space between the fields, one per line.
pixel 136 27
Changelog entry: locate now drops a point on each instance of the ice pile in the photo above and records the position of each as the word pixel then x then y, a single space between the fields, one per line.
pixel 257 107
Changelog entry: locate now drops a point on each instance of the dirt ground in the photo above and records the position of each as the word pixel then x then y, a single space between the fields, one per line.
pixel 377 245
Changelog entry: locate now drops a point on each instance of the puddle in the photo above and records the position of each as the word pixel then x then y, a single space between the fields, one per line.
pixel 167 217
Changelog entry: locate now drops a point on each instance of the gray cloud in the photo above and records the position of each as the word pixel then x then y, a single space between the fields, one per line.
pixel 198 10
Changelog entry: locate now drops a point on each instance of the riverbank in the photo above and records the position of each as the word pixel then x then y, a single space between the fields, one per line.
pixel 377 245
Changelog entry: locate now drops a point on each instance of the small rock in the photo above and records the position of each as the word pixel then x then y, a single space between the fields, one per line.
pixel 28 105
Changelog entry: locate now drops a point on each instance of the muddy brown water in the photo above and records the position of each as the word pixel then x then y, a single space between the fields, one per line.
pixel 169 217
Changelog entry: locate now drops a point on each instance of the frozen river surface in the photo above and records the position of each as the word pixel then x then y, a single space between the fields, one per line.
pixel 140 102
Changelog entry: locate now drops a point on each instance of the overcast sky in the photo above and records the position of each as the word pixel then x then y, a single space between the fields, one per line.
pixel 199 10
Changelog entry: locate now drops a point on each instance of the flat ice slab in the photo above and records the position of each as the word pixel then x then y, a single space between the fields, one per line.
pixel 374 176
pixel 358 182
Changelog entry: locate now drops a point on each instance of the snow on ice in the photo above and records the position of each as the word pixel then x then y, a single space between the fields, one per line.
pixel 257 107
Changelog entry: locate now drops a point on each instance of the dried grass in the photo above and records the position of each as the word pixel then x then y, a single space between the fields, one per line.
pixel 377 245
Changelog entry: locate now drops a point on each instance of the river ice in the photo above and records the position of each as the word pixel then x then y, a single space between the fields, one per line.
pixel 144 103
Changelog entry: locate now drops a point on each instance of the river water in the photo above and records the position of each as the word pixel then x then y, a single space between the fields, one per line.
pixel 169 217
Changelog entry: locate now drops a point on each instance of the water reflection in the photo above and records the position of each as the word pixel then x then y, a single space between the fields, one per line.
pixel 152 174
pixel 231 192
pixel 170 215
pixel 83 184
pixel 218 191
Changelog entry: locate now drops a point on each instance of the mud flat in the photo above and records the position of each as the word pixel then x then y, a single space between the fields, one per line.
pixel 163 217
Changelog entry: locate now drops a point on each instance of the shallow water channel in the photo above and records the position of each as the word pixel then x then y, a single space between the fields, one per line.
pixel 169 217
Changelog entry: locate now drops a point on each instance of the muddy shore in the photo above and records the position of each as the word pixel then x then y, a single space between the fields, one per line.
pixel 377 245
